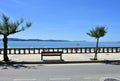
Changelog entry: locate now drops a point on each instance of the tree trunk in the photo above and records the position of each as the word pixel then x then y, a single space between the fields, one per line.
pixel 96 50
pixel 5 56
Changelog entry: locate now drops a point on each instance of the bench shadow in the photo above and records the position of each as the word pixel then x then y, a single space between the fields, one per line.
pixel 53 61
pixel 16 66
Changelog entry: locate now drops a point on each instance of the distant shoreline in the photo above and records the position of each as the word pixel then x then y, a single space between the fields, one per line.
pixel 17 39
pixel 51 40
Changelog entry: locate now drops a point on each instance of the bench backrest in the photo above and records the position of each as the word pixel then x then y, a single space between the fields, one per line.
pixel 51 53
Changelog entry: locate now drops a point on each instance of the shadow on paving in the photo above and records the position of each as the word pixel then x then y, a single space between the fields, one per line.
pixel 17 66
pixel 113 63
pixel 111 79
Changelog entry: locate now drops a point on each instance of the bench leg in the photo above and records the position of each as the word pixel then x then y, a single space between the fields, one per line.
pixel 61 57
pixel 41 57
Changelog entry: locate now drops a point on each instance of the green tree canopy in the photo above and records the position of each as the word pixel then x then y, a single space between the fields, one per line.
pixel 8 27
pixel 97 32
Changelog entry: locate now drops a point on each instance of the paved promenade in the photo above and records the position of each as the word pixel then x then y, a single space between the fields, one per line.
pixel 66 57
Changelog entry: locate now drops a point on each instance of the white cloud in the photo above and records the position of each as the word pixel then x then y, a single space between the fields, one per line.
pixel 2 11
pixel 19 2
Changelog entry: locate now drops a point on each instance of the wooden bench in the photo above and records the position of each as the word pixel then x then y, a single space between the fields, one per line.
pixel 51 54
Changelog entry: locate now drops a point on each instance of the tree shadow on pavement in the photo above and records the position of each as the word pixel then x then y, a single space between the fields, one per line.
pixel 17 66
pixel 113 63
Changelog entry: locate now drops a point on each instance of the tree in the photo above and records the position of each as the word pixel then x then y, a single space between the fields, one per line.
pixel 97 32
pixel 7 28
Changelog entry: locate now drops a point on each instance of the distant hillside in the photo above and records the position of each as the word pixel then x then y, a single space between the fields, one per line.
pixel 52 40
pixel 17 39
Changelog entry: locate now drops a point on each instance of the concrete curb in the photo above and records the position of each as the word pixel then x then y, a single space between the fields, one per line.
pixel 59 62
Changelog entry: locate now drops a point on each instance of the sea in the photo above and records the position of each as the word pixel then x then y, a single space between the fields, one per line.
pixel 57 44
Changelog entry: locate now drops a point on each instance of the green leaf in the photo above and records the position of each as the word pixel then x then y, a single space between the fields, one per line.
pixel 7 27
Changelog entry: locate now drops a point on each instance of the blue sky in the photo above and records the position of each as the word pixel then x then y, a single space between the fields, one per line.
pixel 64 19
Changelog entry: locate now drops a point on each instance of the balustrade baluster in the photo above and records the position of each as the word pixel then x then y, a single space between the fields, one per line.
pixel 64 50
